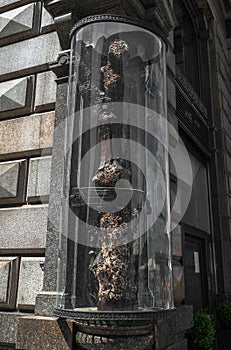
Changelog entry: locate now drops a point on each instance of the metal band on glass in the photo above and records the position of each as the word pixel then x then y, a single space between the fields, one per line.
pixel 114 315
pixel 118 19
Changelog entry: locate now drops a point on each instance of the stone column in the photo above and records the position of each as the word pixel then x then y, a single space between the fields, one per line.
pixel 46 300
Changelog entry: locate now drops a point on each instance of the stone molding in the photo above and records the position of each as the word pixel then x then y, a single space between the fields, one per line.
pixel 67 13
pixel 20 23
pixel 202 3
pixel 191 93
pixel 9 267
pixel 16 97
pixel 7 5
pixel 38 187
pixel 34 133
pixel 23 228
pixel 8 328
pixel 13 182
pixel 26 57
pixel 163 13
pixel 30 282
pixel 45 92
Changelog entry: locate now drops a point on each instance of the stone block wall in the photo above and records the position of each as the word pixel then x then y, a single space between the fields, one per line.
pixel 221 93
pixel 28 43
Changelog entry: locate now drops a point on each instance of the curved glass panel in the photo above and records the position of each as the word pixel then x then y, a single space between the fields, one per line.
pixel 115 236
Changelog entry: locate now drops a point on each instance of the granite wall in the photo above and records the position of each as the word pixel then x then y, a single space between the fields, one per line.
pixel 220 49
pixel 28 43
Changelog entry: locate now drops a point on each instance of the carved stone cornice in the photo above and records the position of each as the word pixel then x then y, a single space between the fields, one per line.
pixel 85 8
pixel 191 93
pixel 226 8
pixel 163 14
pixel 202 4
pixel 61 66
pixel 192 7
pixel 67 12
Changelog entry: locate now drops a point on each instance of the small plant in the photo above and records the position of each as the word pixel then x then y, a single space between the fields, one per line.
pixel 224 314
pixel 202 334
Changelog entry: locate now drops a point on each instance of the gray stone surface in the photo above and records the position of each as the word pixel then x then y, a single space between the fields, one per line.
pixel 39 177
pixel 9 172
pixel 50 276
pixel 45 90
pixel 8 281
pixel 177 241
pixel 230 209
pixel 224 87
pixel 17 20
pixel 26 134
pixel 45 333
pixel 23 228
pixel 170 55
pixel 171 92
pixel 16 95
pixel 47 20
pixel 164 15
pixel 45 303
pixel 8 326
pixel 228 162
pixel 30 54
pixel 30 281
pixel 107 342
pixel 180 345
pixel 178 283
pixel 136 337
pixel 227 108
pixel 13 181
pixel 11 3
pixel 184 318
pixel 227 123
pixel 229 184
pixel 228 143
pixel 164 332
pixel 176 212
pixel 4 273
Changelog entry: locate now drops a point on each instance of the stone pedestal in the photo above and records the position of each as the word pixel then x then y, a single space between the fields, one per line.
pixel 40 333
pixel 115 338
pixel 165 331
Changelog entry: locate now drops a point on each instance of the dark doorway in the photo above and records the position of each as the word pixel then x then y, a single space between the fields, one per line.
pixel 195 267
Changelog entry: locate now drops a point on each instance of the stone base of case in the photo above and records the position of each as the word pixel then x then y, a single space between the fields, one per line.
pixel 168 333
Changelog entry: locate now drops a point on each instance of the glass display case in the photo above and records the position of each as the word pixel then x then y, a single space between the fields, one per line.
pixel 115 246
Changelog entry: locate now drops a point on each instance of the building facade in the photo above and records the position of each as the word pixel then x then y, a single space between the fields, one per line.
pixel 34 51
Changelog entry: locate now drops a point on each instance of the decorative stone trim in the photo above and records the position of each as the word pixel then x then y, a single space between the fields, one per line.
pixel 9 267
pixel 191 93
pixel 192 8
pixel 16 97
pixel 65 14
pixel 164 14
